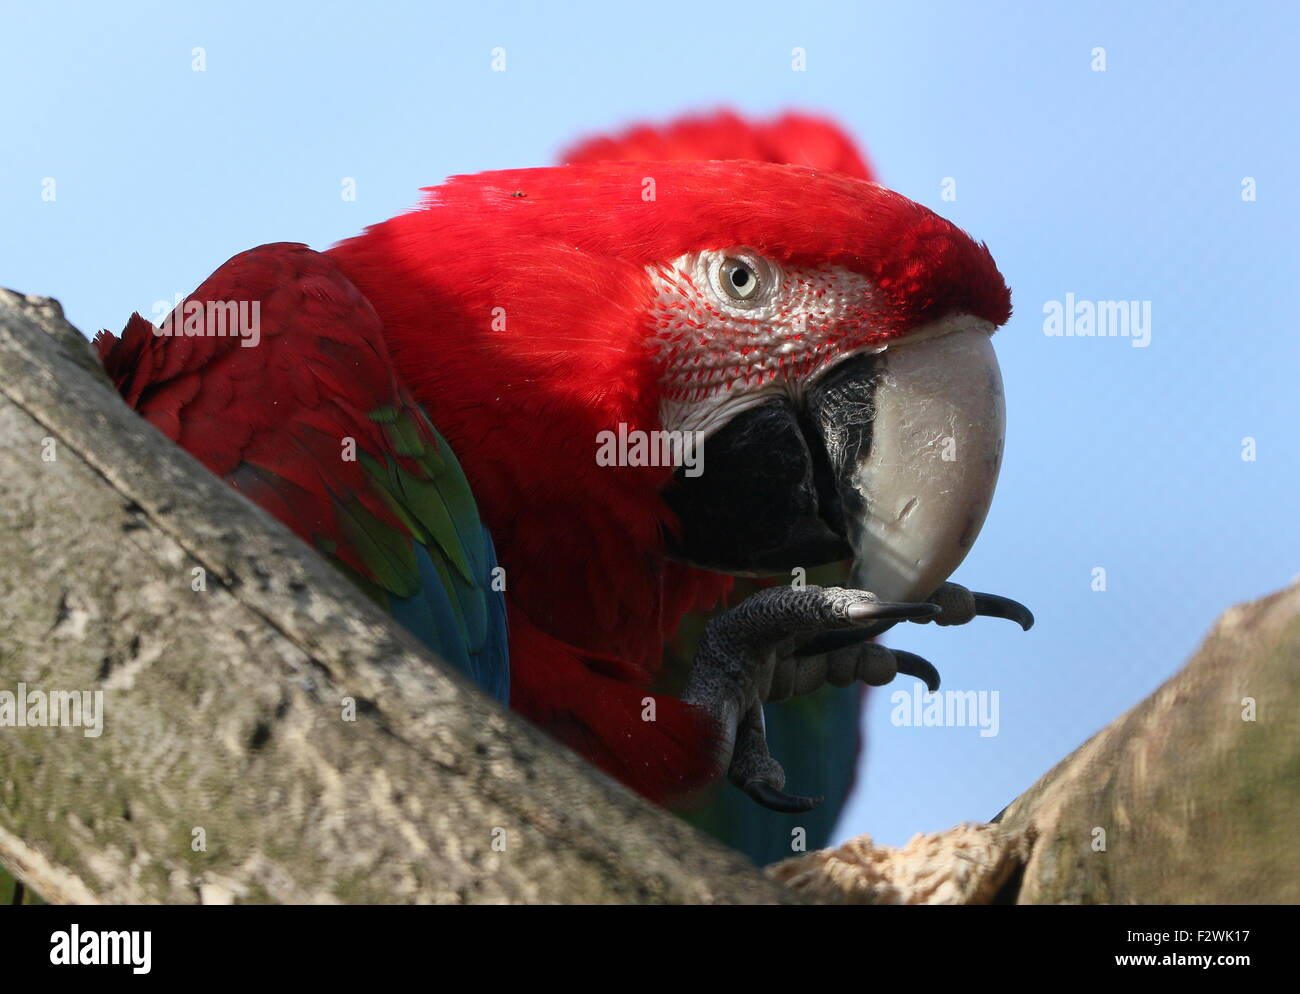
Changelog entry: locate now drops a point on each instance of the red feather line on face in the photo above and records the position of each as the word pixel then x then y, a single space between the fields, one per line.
pixel 820 315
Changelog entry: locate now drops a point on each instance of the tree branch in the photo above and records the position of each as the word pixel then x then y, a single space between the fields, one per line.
pixel 224 709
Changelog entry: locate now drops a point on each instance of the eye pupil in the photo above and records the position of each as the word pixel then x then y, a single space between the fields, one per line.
pixel 739 281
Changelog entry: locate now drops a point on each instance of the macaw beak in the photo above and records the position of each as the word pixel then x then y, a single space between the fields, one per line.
pixel 890 458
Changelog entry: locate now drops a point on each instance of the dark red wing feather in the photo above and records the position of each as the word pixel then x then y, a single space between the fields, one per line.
pixel 272 417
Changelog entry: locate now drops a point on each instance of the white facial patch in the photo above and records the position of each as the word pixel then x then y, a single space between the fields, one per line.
pixel 718 356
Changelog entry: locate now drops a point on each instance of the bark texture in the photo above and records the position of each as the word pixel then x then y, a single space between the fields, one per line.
pixel 227 768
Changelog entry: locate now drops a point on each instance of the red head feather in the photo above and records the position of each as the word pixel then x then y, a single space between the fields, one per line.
pixel 794 138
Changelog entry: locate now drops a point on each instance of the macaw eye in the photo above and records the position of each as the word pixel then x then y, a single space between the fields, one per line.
pixel 740 280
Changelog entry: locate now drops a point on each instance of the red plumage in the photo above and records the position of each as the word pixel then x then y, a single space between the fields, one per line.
pixel 271 419
pixel 514 308
pixel 793 138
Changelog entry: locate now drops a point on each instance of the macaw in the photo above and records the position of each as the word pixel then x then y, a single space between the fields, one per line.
pixel 427 403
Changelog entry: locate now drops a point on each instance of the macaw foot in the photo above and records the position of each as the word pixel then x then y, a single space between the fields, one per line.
pixel 747 656
pixel 788 641
pixel 753 769
pixel 961 606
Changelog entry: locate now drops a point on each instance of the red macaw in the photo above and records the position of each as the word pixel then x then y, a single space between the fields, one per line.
pixel 806 335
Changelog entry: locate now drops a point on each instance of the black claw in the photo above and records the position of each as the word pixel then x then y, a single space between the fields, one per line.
pixel 993 606
pixel 913 665
pixel 776 799
pixel 889 611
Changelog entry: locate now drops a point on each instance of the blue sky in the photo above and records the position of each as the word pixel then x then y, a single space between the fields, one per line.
pixel 1115 185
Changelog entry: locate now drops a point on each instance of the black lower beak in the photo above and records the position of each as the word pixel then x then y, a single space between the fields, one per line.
pixel 770 496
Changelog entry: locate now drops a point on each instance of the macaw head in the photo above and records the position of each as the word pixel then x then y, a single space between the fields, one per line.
pixel 826 341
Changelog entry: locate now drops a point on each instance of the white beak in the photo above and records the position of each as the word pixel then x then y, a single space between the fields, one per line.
pixel 929 474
